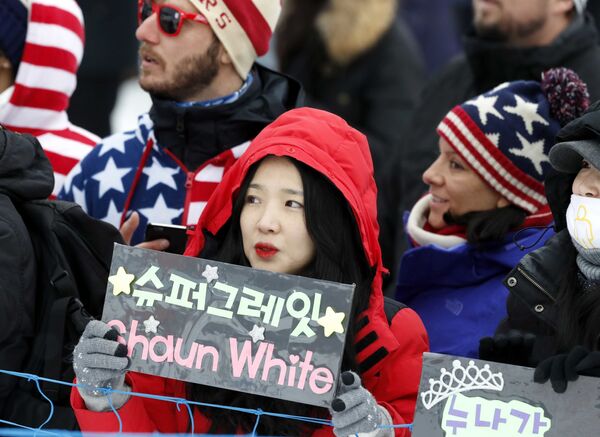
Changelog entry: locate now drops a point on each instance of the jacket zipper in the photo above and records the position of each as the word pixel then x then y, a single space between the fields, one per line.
pixel 189 180
pixel 535 283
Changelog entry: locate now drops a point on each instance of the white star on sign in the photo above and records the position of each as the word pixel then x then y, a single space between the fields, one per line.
pixel 158 174
pixel 121 282
pixel 150 325
pixel 160 212
pixel 331 322
pixel 528 112
pixel 532 151
pixel 110 178
pixel 485 106
pixel 257 333
pixel 211 273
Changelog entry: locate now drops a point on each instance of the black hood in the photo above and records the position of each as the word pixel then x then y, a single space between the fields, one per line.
pixel 25 172
pixel 196 134
pixel 493 62
pixel 559 185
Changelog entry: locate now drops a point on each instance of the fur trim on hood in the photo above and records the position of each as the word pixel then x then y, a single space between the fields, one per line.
pixel 351 27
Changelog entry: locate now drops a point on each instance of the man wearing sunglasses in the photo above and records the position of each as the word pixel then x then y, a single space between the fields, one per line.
pixel 210 99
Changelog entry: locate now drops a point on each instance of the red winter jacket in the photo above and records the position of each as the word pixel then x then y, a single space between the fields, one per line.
pixel 390 354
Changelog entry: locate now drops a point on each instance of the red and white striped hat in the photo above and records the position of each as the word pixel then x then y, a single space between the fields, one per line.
pixel 244 27
pixel 505 134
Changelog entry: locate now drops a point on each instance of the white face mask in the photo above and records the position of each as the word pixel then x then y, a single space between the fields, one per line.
pixel 583 221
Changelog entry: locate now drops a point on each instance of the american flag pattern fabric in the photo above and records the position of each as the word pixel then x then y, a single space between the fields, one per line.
pixel 505 135
pixel 165 192
pixel 44 83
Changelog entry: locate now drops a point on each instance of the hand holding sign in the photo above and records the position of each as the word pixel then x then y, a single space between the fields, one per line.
pixel 355 410
pixel 562 368
pixel 100 362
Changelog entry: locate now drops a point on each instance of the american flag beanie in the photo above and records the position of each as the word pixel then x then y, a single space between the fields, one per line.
pixel 244 27
pixel 13 27
pixel 505 134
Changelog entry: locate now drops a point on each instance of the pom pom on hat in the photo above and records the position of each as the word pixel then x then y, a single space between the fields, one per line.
pixel 505 134
pixel 567 94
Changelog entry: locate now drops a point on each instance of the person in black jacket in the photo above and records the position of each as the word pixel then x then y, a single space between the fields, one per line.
pixel 511 40
pixel 357 60
pixel 554 303
pixel 25 174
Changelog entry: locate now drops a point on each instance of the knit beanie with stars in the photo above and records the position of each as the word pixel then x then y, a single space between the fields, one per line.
pixel 505 135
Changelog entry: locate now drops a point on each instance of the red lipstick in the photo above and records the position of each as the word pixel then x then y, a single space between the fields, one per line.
pixel 265 250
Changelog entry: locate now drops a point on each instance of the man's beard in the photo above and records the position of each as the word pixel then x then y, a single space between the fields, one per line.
pixel 193 75
pixel 500 33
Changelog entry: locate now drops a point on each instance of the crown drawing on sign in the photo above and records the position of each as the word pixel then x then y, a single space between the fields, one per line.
pixel 459 380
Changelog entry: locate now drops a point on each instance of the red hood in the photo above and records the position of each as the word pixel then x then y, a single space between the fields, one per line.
pixel 326 143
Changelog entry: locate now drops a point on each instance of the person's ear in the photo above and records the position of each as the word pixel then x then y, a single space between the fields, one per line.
pixel 224 57
pixel 562 7
pixel 5 63
pixel 502 202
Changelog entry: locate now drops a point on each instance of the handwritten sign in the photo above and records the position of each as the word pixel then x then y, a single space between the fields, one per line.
pixel 229 326
pixel 462 397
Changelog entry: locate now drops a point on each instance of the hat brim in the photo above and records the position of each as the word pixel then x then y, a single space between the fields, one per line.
pixel 566 157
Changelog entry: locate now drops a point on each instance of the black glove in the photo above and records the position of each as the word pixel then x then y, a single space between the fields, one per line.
pixel 513 347
pixel 567 367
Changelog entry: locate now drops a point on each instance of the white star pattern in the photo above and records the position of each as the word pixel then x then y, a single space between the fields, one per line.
pixel 494 138
pixel 485 106
pixel 160 212
pixel 331 322
pixel 159 174
pixel 79 197
pixel 257 333
pixel 532 151
pixel 115 142
pixel 211 273
pixel 113 215
pixel 110 178
pixel 528 112
pixel 150 325
pixel 499 87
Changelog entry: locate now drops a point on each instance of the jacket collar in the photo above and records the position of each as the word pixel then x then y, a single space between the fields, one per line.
pixel 493 63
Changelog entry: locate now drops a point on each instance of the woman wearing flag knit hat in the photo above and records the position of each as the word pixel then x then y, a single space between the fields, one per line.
pixel 485 208
pixel 304 187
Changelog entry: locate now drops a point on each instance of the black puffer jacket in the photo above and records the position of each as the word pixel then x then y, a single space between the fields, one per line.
pixel 25 174
pixel 535 283
pixel 485 65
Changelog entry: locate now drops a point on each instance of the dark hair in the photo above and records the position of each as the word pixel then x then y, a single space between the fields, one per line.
pixel 491 226
pixel 339 256
pixel 578 308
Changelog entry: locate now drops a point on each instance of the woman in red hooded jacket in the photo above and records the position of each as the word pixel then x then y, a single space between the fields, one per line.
pixel 301 200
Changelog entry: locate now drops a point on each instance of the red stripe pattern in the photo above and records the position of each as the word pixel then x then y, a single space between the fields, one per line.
pixel 44 83
pixel 252 21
